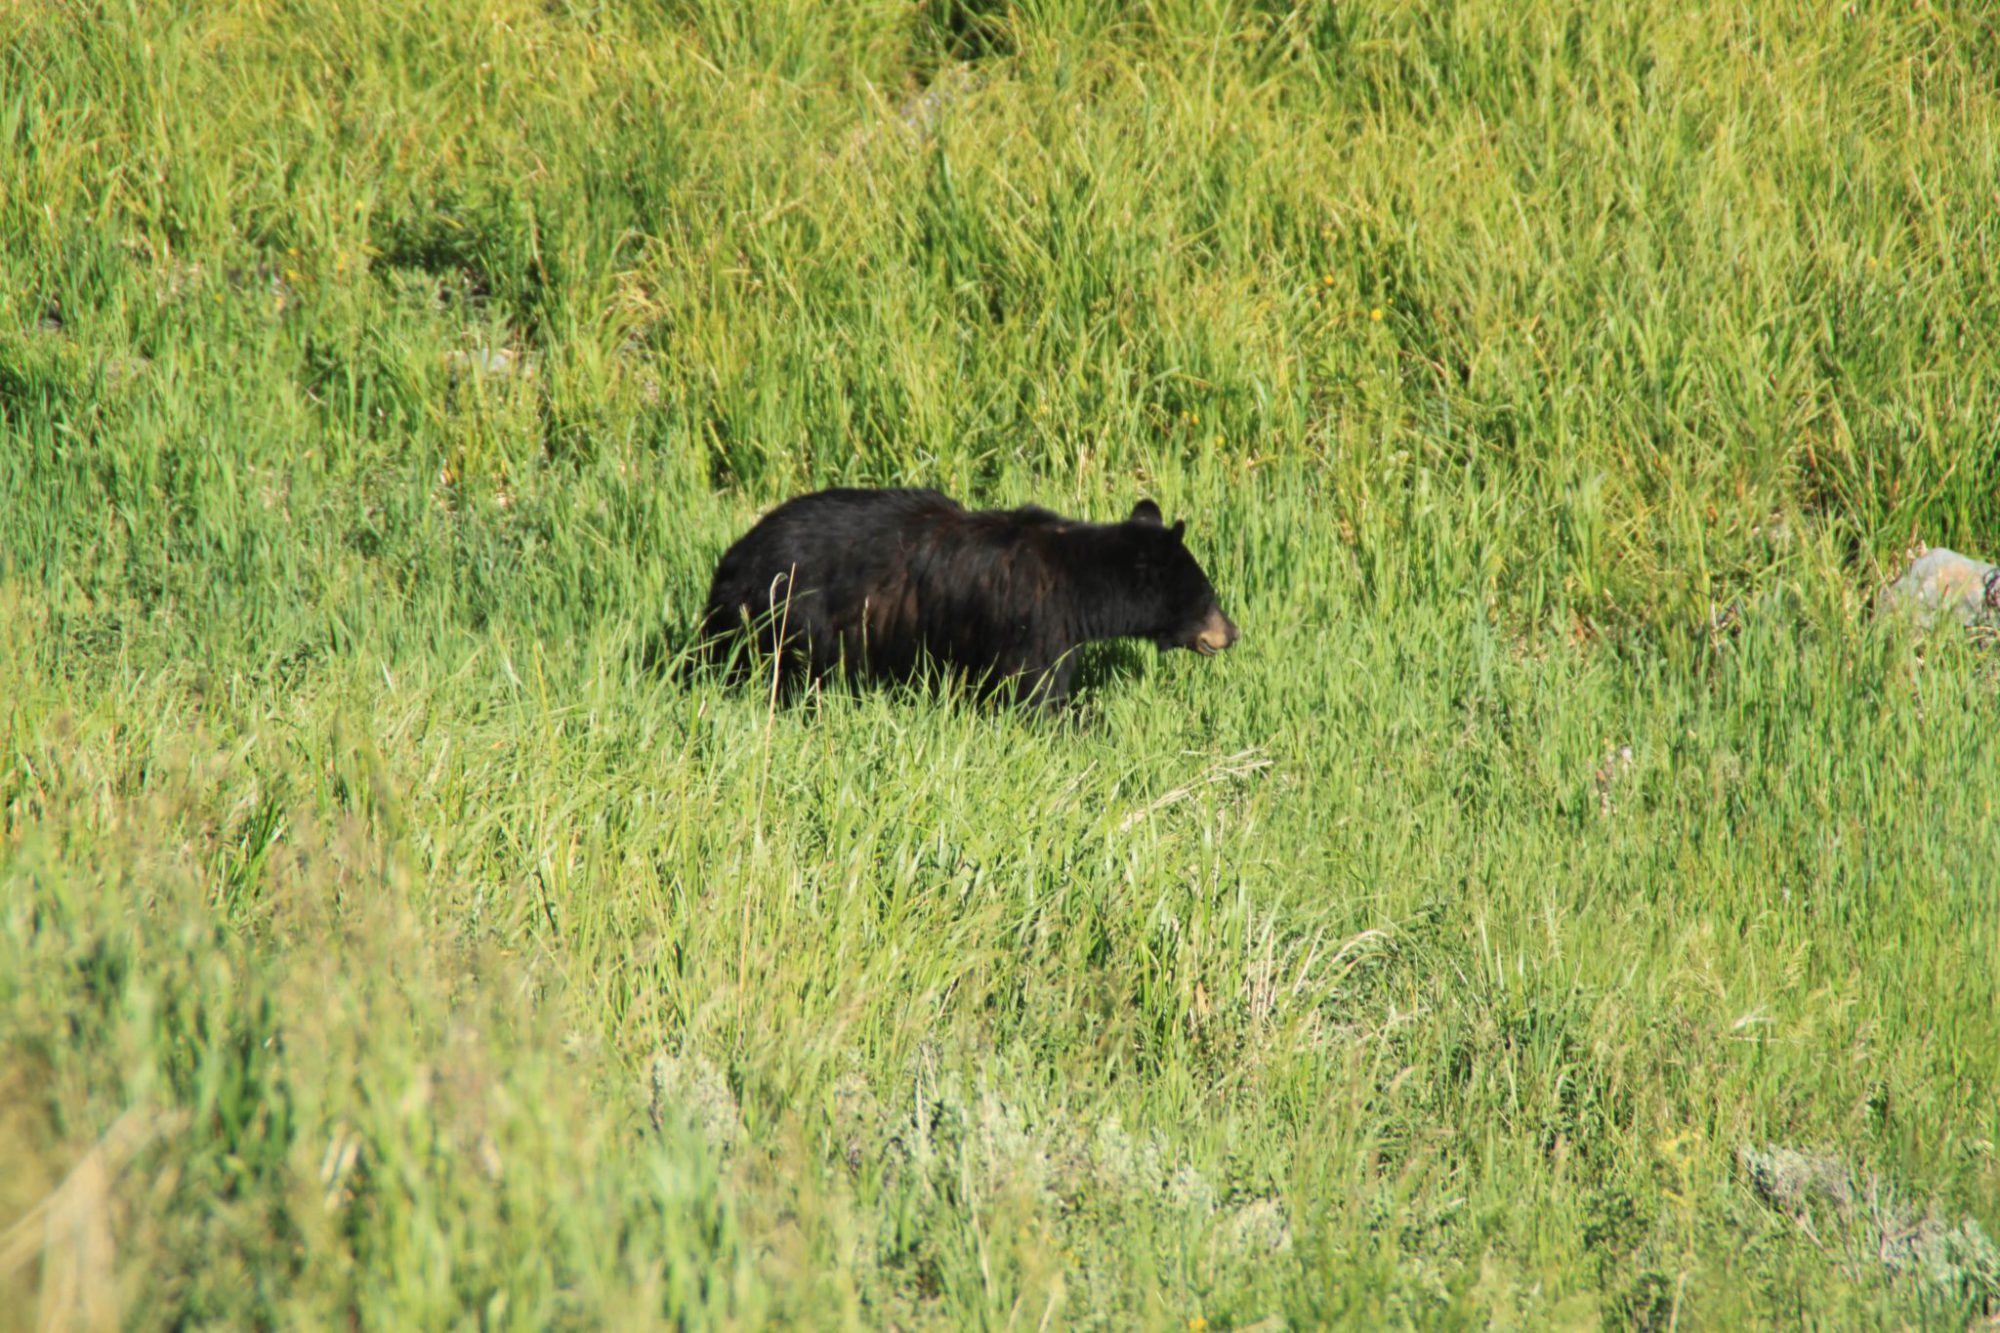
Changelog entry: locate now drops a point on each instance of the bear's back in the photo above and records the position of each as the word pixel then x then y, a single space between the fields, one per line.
pixel 1015 529
pixel 856 523
pixel 889 504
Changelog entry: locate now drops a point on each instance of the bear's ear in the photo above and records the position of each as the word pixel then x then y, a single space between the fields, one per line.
pixel 1180 526
pixel 1145 512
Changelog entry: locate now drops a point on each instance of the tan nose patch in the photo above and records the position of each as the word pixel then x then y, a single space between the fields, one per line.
pixel 1216 634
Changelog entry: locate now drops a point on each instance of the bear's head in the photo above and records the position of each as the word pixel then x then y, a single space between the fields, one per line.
pixel 1181 602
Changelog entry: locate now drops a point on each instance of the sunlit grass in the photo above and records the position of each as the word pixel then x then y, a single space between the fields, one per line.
pixel 1546 388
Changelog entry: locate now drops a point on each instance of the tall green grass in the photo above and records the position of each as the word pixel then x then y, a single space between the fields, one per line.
pixel 1547 387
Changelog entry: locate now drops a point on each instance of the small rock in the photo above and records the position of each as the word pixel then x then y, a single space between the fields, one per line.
pixel 497 361
pixel 689 1089
pixel 1943 583
pixel 1257 1229
pixel 922 114
pixel 121 371
pixel 918 119
pixel 1795 1182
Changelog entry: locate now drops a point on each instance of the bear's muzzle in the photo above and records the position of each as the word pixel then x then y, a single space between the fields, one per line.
pixel 1217 632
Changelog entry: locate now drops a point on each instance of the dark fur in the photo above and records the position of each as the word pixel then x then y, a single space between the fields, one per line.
pixel 879 581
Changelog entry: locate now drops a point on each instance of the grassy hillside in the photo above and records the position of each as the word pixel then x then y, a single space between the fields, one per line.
pixel 1567 906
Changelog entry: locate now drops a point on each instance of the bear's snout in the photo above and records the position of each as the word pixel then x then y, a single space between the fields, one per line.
pixel 1216 633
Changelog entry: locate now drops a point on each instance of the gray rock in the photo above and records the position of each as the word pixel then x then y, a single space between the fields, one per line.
pixel 1941 583
pixel 919 118
pixel 1795 1182
pixel 690 1090
pixel 491 362
pixel 922 114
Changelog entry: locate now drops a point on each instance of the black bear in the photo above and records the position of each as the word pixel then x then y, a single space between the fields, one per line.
pixel 877 582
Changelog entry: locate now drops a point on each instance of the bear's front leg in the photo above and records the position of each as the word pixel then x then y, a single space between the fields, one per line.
pixel 1045 687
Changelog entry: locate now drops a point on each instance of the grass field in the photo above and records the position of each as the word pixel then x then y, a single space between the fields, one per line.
pixel 1568 906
